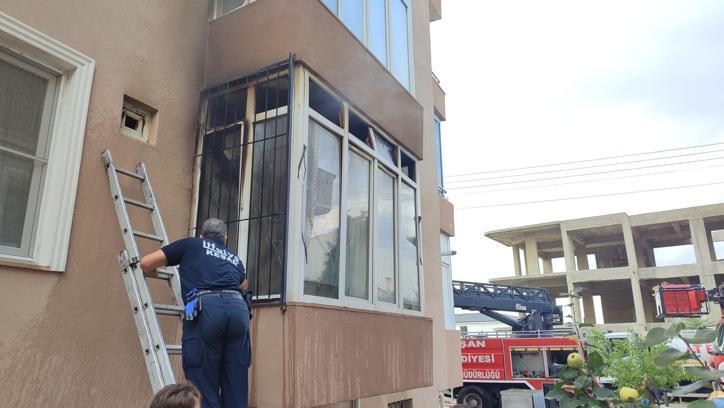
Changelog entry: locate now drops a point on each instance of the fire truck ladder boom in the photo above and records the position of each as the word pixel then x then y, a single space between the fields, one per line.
pixel 490 299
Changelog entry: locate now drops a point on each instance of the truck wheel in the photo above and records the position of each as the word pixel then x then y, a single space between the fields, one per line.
pixel 475 397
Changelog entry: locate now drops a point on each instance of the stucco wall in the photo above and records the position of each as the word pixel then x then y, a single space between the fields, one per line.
pixel 68 339
pixel 445 351
pixel 311 355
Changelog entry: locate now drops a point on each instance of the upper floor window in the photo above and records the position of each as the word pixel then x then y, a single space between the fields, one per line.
pixel 384 27
pixel 438 156
pixel 41 140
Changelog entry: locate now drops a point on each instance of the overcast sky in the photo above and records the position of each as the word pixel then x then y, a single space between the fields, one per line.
pixel 533 83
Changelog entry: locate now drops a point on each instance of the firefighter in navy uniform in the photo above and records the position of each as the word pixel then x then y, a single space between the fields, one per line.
pixel 216 349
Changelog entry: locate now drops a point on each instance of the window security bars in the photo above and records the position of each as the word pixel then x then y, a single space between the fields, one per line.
pixel 243 176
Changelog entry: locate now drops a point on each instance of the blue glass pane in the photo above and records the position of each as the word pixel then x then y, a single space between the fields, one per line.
pixel 399 44
pixel 230 5
pixel 332 5
pixel 352 15
pixel 377 32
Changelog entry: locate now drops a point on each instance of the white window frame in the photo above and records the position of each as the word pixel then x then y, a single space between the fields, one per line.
pixel 39 157
pixel 297 227
pixel 365 37
pixel 446 275
pixel 437 130
pixel 217 7
pixel 74 71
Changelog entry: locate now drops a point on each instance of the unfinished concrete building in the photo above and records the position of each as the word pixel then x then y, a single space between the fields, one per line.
pixel 618 259
pixel 311 127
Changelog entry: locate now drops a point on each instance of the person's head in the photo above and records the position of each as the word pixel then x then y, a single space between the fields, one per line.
pixel 214 229
pixel 182 395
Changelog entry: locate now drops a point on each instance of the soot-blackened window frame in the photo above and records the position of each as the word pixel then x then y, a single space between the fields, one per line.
pixel 244 128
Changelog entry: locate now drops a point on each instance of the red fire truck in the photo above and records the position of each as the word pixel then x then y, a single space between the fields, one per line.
pixel 533 351
pixel 523 360
pixel 526 357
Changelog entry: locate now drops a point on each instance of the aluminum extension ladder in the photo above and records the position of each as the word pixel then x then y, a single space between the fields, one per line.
pixel 145 311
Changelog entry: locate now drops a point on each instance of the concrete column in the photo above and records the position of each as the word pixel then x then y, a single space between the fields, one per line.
pixel 547 265
pixel 516 260
pixel 569 255
pixel 589 310
pixel 650 306
pixel 708 281
pixel 703 248
pixel 582 260
pixel 700 242
pixel 531 257
pixel 628 240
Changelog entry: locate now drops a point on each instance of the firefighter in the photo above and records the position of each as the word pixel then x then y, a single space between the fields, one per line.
pixel 216 350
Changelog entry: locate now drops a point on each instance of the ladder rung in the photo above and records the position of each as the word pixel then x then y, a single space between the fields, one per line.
pixel 165 271
pixel 173 349
pixel 129 173
pixel 138 203
pixel 163 274
pixel 171 310
pixel 148 236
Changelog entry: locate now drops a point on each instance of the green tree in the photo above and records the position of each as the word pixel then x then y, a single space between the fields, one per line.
pixel 632 364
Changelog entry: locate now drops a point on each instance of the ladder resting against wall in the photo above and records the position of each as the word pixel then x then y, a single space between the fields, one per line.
pixel 145 311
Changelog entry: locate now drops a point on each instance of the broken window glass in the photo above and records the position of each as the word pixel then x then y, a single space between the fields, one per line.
pixel 325 104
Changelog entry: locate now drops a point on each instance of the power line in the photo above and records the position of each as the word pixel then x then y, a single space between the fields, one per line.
pixel 588 196
pixel 587 167
pixel 583 174
pixel 587 181
pixel 587 160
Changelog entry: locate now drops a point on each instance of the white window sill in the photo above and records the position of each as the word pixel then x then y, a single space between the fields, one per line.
pixel 24 262
pixel 358 305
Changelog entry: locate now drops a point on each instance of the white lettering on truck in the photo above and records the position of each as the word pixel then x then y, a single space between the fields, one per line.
pixel 478 358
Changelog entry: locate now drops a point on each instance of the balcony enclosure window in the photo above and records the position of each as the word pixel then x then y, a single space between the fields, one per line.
pixel 384 27
pixel 358 226
pixel 323 217
pixel 361 222
pixel 342 190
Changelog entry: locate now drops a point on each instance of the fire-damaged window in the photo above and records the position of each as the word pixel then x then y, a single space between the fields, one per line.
pixel 243 172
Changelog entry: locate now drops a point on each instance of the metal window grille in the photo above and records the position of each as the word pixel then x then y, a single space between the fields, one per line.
pixel 244 171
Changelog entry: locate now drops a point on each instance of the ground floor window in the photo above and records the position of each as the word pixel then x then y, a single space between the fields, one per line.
pixel 361 216
pixel 44 95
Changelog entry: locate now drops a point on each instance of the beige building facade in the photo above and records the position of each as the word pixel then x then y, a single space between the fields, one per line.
pixel 311 127
pixel 619 258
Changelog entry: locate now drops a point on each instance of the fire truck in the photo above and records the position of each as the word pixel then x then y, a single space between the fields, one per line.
pixel 534 350
pixel 525 357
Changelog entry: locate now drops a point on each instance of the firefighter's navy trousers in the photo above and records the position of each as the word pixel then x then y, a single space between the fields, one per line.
pixel 217 352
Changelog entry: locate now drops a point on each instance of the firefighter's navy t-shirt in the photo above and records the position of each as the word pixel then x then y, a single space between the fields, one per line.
pixel 204 264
